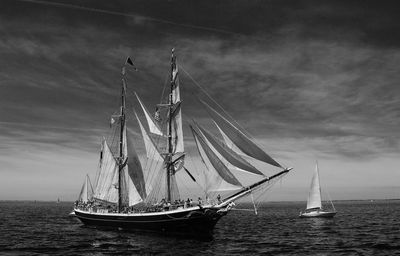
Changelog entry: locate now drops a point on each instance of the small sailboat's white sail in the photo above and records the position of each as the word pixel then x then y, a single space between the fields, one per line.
pixel 239 138
pixel 314 195
pixel 314 203
pixel 86 192
pixel 153 126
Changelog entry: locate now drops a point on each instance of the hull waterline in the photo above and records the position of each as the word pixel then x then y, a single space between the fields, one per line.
pixel 200 221
pixel 317 214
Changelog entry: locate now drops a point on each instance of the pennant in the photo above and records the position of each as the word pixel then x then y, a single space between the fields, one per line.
pixel 130 62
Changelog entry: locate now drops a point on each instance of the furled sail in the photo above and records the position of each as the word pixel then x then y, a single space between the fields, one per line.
pixel 86 191
pixel 106 188
pixel 153 126
pixel 239 138
pixel 134 179
pixel 314 195
pixel 176 117
pixel 228 153
pixel 216 163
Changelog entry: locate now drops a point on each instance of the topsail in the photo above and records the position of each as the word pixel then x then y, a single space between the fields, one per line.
pixel 176 117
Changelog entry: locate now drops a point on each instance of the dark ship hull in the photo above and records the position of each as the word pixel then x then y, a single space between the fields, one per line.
pixel 194 221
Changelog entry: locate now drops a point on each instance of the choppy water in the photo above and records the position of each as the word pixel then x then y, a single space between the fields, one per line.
pixel 360 228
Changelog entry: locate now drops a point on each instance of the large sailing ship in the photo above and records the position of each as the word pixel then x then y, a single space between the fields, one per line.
pixel 132 194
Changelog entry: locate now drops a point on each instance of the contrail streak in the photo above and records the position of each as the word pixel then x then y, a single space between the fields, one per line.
pixel 78 7
pixel 51 127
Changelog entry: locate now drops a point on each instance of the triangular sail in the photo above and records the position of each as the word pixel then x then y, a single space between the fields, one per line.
pixel 216 163
pixel 107 182
pixel 213 181
pixel 87 190
pixel 151 149
pixel 133 172
pixel 155 159
pixel 153 126
pixel 228 153
pixel 314 195
pixel 239 138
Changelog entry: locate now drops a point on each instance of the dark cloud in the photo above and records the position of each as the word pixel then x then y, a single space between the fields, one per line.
pixel 320 78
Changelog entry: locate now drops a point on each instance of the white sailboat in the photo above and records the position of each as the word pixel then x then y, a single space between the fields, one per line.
pixel 314 205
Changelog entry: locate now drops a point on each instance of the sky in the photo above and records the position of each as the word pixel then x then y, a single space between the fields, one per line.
pixel 309 80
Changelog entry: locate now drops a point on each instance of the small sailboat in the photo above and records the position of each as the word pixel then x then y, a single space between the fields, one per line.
pixel 314 205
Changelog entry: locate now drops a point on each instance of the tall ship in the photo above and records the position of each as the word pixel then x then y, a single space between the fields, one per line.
pixel 143 193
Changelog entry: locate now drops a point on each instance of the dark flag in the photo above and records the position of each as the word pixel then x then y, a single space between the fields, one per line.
pixel 130 62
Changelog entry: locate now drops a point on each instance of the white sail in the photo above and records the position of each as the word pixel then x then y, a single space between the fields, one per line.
pixel 107 182
pixel 86 191
pixel 155 160
pixel 228 154
pixel 242 141
pixel 214 182
pixel 176 129
pixel 151 149
pixel 135 189
pixel 153 126
pixel 314 195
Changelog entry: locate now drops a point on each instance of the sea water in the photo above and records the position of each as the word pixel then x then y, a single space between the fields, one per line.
pixel 359 228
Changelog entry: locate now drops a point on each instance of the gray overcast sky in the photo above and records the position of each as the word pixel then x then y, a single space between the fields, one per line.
pixel 310 80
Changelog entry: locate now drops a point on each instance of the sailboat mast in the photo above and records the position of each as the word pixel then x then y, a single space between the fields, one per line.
pixel 170 150
pixel 121 138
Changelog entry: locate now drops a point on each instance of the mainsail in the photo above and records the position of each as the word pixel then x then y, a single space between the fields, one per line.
pixel 239 138
pixel 135 188
pixel 314 195
pixel 106 187
pixel 87 190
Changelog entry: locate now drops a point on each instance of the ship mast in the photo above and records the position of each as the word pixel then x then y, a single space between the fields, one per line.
pixel 121 139
pixel 170 167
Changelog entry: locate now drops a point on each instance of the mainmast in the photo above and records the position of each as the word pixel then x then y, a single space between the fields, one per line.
pixel 170 167
pixel 121 142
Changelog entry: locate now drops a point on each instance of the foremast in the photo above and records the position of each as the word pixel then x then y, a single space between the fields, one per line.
pixel 121 158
